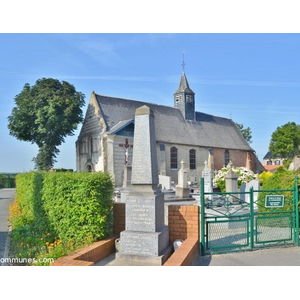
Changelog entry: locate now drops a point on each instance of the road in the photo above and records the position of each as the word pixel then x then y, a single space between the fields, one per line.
pixel 281 256
pixel 7 196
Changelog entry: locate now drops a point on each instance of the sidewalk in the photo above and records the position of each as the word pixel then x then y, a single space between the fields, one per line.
pixel 7 196
pixel 285 256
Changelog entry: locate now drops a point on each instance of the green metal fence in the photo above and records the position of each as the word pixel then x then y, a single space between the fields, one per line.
pixel 243 221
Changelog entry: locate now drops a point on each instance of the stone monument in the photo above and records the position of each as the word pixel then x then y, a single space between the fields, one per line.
pixel 231 182
pixel 146 237
pixel 207 175
pixel 255 184
pixel 182 188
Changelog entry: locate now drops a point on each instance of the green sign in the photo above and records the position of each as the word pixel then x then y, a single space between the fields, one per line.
pixel 274 201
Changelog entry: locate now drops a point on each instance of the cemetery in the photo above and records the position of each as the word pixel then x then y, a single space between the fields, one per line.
pixel 153 194
pixel 151 221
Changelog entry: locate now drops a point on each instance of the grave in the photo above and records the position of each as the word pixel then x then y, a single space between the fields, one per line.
pixel 146 237
pixel 165 182
pixel 246 188
pixel 182 188
pixel 231 182
pixel 207 175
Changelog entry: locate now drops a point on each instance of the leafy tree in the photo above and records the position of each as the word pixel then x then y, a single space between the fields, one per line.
pixel 45 114
pixel 285 141
pixel 246 132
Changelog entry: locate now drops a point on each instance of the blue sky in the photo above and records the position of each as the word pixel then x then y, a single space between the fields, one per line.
pixel 253 78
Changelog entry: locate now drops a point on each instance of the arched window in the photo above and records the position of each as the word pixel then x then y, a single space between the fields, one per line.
pixel 192 153
pixel 174 158
pixel 227 157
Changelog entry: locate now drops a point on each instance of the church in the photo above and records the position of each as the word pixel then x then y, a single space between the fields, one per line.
pixel 106 140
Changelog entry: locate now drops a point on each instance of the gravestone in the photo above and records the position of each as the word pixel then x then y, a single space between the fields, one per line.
pixel 182 188
pixel 207 175
pixel 165 182
pixel 246 188
pixel 231 182
pixel 146 237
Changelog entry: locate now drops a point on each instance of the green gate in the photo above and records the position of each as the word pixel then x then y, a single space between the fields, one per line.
pixel 244 221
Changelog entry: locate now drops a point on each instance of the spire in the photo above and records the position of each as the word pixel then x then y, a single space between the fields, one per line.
pixel 183 63
pixel 184 85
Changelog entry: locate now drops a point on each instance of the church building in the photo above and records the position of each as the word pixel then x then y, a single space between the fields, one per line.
pixel 106 140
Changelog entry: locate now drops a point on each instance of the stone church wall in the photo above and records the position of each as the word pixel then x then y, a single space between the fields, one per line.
pixel 89 144
pixel 183 154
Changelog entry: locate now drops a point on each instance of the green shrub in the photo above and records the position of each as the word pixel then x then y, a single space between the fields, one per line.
pixel 79 205
pixel 264 176
pixel 7 180
pixel 282 179
pixel 55 213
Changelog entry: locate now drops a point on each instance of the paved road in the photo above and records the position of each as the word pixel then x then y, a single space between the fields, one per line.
pixel 285 256
pixel 6 198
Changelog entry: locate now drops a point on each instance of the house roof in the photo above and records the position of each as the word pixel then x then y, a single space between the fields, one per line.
pixel 271 169
pixel 269 156
pixel 171 127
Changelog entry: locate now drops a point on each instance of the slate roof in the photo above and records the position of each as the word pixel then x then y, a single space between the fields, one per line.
pixel 269 156
pixel 171 127
pixel 184 85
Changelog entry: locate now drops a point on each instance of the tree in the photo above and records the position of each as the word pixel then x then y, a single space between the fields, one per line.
pixel 45 114
pixel 246 132
pixel 285 141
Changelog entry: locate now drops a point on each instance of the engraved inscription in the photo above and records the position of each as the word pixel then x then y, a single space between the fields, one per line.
pixel 142 169
pixel 140 214
pixel 139 244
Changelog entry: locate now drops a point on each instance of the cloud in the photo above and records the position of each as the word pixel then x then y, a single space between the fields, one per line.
pixel 95 47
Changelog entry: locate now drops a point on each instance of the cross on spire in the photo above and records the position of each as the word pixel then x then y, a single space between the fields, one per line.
pixel 183 62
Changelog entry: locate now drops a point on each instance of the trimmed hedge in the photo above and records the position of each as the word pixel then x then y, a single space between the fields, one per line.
pixel 282 179
pixel 7 180
pixel 78 205
pixel 54 213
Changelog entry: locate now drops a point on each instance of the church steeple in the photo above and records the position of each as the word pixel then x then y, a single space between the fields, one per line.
pixel 184 98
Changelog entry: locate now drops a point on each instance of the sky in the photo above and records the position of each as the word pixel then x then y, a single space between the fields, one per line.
pixel 252 78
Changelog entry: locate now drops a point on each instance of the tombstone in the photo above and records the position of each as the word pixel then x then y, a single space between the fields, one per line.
pixel 165 182
pixel 207 175
pixel 231 182
pixel 243 190
pixel 255 184
pixel 146 237
pixel 182 188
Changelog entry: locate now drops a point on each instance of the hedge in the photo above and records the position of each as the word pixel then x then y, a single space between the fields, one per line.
pixel 282 179
pixel 7 180
pixel 55 213
pixel 78 205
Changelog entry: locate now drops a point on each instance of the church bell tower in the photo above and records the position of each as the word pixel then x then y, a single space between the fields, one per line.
pixel 184 98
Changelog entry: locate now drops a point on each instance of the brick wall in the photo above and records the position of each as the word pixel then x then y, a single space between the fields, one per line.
pixel 183 222
pixel 238 158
